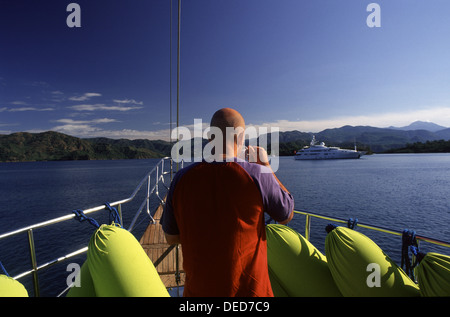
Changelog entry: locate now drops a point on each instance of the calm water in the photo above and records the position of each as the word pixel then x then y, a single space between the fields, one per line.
pixel 33 192
pixel 396 191
pixel 409 191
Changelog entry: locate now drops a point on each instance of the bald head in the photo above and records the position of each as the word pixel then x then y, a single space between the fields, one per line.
pixel 232 126
pixel 227 118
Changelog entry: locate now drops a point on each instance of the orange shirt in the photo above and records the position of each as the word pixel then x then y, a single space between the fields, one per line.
pixel 218 210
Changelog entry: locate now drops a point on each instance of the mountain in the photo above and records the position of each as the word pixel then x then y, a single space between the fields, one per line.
pixel 49 146
pixel 365 137
pixel 159 147
pixel 53 146
pixel 443 134
pixel 378 139
pixel 421 125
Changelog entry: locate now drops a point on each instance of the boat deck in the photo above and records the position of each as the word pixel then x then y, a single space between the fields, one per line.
pixel 162 254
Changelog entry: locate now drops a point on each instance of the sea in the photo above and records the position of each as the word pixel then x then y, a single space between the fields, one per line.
pixel 395 191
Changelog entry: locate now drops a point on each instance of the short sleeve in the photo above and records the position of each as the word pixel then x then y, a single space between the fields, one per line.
pixel 277 202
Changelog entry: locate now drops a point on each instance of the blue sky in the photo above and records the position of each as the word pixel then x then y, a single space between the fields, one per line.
pixel 293 64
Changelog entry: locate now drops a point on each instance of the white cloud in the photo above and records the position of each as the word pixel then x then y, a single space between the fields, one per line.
pixel 91 128
pixel 96 107
pixel 81 128
pixel 90 131
pixel 131 101
pixel 438 115
pixel 85 96
pixel 5 109
pixel 19 103
pixel 135 134
pixel 71 121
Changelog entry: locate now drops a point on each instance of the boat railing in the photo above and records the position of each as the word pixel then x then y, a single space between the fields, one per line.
pixel 352 223
pixel 310 215
pixel 153 180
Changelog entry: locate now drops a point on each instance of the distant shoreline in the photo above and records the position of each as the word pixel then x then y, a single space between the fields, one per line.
pixel 55 146
pixel 127 159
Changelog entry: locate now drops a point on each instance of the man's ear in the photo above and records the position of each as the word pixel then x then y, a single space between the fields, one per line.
pixel 240 136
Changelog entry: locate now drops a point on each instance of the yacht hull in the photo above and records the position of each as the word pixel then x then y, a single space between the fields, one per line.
pixel 322 152
pixel 327 156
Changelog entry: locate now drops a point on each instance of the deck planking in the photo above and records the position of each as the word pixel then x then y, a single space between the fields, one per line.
pixel 154 243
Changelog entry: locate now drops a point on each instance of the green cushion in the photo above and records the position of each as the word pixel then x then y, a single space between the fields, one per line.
pixel 86 288
pixel 120 267
pixel 9 287
pixel 433 275
pixel 296 267
pixel 353 260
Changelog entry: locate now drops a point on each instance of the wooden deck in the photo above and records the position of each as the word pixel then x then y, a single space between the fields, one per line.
pixel 162 254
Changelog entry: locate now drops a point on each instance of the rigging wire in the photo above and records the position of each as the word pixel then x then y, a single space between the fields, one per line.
pixel 170 75
pixel 178 72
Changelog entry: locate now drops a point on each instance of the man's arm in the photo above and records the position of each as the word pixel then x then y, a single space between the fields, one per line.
pixel 288 219
pixel 168 221
pixel 258 155
pixel 172 238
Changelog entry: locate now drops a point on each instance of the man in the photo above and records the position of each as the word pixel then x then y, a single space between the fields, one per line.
pixel 216 211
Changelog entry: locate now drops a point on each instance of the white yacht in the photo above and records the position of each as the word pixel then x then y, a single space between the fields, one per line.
pixel 322 152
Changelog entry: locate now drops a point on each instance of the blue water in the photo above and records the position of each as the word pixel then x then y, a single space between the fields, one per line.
pixel 32 192
pixel 401 191
pixel 398 191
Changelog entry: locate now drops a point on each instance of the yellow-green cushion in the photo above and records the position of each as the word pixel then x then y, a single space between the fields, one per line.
pixel 433 275
pixel 86 287
pixel 9 287
pixel 349 254
pixel 120 267
pixel 296 267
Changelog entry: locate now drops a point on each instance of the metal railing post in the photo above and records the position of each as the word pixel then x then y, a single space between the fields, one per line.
pixel 148 194
pixel 177 271
pixel 157 180
pixel 119 210
pixel 307 227
pixel 33 262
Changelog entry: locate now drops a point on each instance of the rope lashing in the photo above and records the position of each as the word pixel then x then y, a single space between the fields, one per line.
pixel 80 216
pixel 114 216
pixel 3 269
pixel 409 243
pixel 330 227
pixel 352 223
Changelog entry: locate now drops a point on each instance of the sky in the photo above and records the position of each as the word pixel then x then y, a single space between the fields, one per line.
pixel 304 65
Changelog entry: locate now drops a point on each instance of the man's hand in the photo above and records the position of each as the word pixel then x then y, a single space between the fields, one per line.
pixel 258 155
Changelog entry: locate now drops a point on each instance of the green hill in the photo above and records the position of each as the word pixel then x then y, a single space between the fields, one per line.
pixel 54 146
pixel 439 146
pixel 50 146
